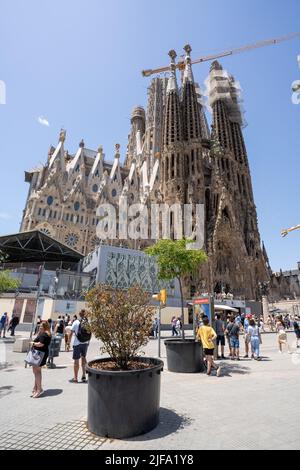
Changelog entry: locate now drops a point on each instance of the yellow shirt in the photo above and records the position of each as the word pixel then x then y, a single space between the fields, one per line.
pixel 206 334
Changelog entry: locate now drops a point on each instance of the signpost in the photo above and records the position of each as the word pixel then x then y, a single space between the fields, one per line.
pixel 162 299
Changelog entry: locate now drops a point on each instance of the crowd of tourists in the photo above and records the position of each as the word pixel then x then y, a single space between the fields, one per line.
pixel 230 329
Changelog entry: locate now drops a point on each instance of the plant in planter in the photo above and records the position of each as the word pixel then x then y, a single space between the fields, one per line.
pixel 175 261
pixel 124 388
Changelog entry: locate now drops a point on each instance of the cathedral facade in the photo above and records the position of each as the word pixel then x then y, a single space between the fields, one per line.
pixel 172 157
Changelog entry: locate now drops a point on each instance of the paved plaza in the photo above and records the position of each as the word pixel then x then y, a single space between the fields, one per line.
pixel 254 405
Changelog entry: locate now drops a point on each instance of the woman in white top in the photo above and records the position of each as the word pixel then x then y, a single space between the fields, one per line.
pixel 253 332
pixel 281 334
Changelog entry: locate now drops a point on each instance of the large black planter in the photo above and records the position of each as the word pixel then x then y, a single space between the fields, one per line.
pixel 124 404
pixel 184 355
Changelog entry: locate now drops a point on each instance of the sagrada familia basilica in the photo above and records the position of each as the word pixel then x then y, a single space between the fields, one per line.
pixel 172 157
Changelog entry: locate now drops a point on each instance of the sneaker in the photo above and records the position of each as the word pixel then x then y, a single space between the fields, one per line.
pixel 219 370
pixel 238 359
pixel 246 356
pixel 223 357
pixel 83 379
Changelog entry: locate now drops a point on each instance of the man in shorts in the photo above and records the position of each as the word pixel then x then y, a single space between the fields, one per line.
pixel 233 330
pixel 80 345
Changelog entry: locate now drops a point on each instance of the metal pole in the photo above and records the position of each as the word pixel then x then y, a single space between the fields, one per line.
pixel 159 323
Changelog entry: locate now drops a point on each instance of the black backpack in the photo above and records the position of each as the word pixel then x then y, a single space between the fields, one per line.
pixel 83 334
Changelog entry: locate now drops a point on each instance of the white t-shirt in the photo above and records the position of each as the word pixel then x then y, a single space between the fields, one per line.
pixel 75 328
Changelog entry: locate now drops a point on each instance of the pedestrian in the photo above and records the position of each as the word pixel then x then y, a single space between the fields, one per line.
pixel 233 330
pixel 173 325
pixel 51 324
pixel 262 325
pixel 254 335
pixel 281 334
pixel 40 343
pixel 80 328
pixel 74 318
pixel 59 327
pixel 246 335
pixel 68 330
pixel 220 330
pixel 13 324
pixel 3 324
pixel 297 331
pixel 270 323
pixel 37 325
pixel 67 320
pixel 206 334
pixel 178 326
pixel 155 327
pixel 227 322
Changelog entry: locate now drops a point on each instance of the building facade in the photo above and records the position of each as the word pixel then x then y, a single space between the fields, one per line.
pixel 172 157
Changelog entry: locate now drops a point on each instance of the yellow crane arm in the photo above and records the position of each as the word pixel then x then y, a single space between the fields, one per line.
pixel 238 50
pixel 286 231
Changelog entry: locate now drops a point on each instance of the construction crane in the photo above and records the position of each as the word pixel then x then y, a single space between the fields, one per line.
pixel 286 231
pixel 239 50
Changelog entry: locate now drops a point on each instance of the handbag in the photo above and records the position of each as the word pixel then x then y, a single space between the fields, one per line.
pixel 34 357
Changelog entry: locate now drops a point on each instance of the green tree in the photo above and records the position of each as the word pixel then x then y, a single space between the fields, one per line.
pixel 7 282
pixel 175 261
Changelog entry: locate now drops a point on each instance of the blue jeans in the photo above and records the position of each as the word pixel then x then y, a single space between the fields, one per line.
pixel 255 345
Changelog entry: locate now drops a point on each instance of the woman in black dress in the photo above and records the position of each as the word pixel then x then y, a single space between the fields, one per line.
pixel 41 343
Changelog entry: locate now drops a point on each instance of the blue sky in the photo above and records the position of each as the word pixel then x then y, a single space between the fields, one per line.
pixel 77 63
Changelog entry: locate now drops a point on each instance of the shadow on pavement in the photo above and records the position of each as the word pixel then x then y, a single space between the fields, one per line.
pixel 5 390
pixel 169 423
pixel 5 365
pixel 51 393
pixel 229 369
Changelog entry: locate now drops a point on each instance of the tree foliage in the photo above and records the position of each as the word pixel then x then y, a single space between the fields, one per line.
pixel 7 282
pixel 175 261
pixel 121 319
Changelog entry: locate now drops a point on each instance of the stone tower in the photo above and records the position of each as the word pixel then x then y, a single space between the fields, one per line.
pixel 171 157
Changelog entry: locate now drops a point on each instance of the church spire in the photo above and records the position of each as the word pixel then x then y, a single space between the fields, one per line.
pixel 190 105
pixel 172 121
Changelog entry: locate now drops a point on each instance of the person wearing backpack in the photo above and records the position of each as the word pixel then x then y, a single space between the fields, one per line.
pixel 80 328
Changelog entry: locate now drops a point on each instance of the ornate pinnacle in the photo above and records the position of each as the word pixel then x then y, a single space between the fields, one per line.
pixel 187 49
pixel 173 55
pixel 117 148
pixel 81 143
pixel 100 149
pixel 62 135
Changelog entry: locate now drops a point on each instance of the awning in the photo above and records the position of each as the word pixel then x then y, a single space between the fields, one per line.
pixel 36 246
pixel 226 308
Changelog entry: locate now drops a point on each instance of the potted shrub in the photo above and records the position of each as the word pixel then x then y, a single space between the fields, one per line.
pixel 175 261
pixel 123 388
